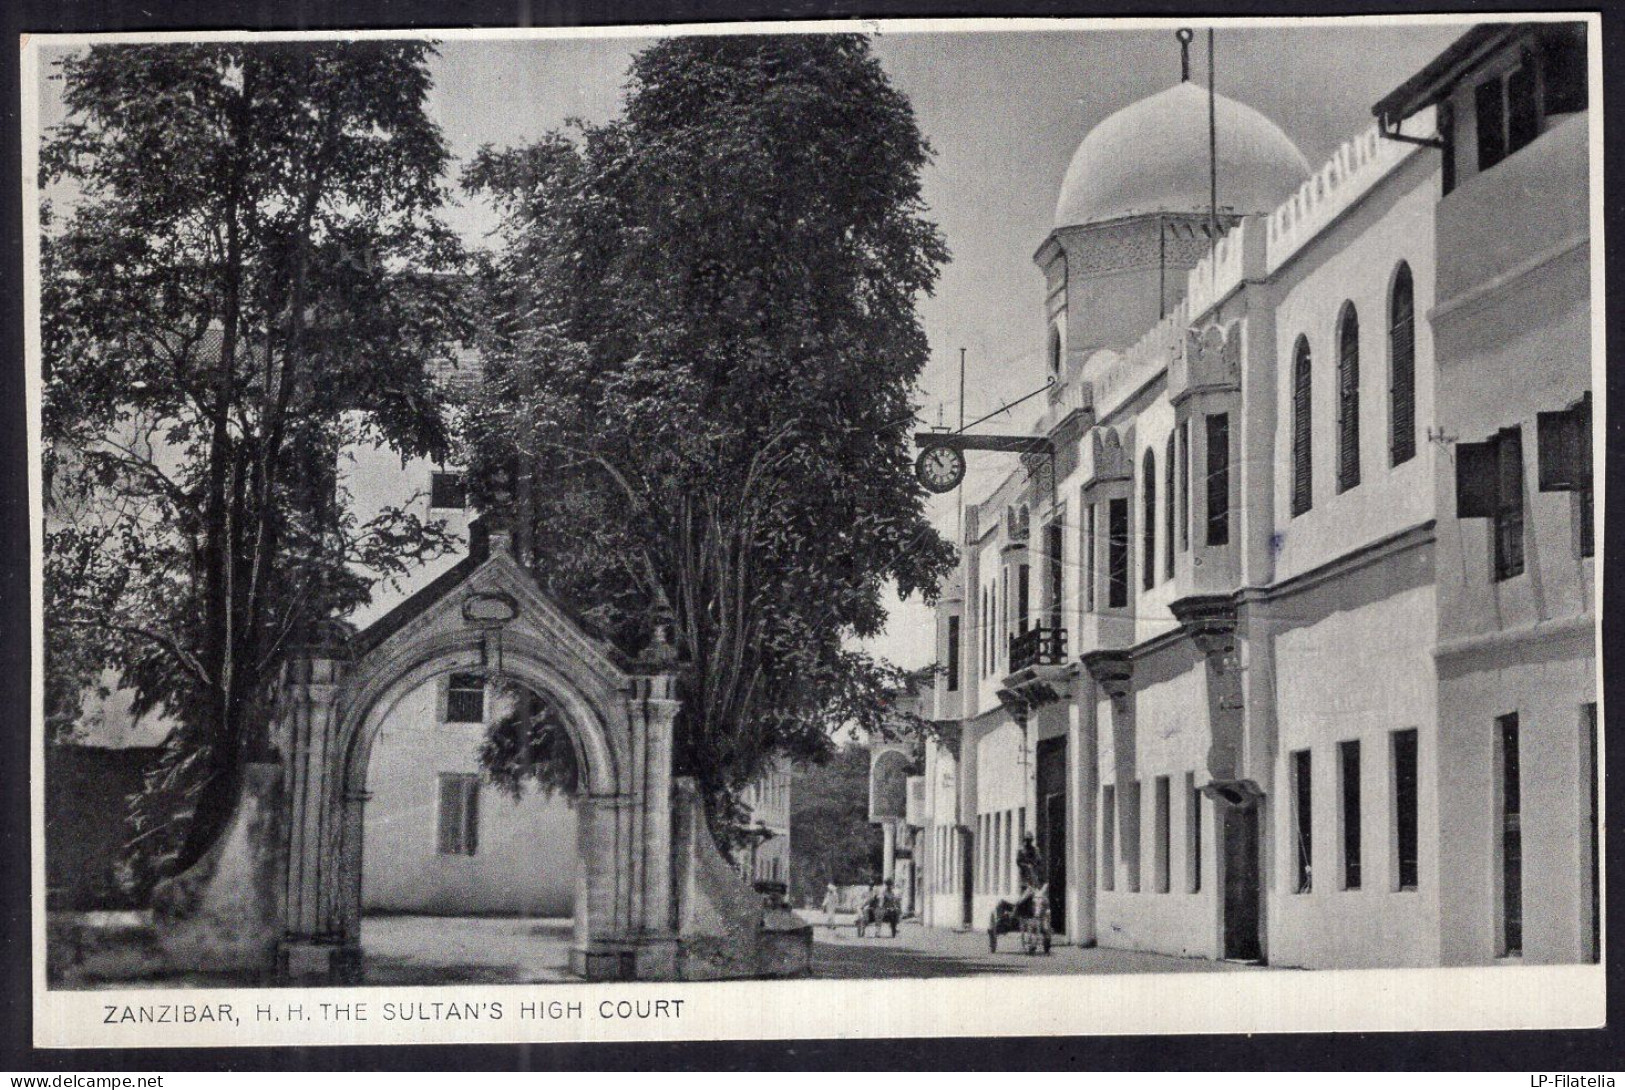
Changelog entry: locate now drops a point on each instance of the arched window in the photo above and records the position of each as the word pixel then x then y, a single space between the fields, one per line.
pixel 1402 368
pixel 1168 507
pixel 1303 459
pixel 1348 399
pixel 1148 564
pixel 1054 350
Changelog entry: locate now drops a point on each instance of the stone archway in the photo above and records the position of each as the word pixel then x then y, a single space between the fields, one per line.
pixel 281 887
pixel 486 614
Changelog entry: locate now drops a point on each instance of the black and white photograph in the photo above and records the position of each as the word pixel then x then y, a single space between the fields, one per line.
pixel 815 529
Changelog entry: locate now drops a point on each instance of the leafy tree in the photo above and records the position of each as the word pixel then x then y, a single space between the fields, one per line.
pixel 699 361
pixel 249 253
pixel 831 839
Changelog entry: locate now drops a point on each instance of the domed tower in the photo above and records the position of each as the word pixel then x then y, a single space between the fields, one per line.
pixel 1132 216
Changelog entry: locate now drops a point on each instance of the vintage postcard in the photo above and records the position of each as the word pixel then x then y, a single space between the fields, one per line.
pixel 873 528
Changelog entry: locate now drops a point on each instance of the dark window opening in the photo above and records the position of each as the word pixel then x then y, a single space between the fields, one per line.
pixel 1185 485
pixel 1563 461
pixel 1488 100
pixel 1349 758
pixel 1489 484
pixel 1218 479
pixel 1089 558
pixel 448 491
pixel 1193 803
pixel 1509 519
pixel 1168 510
pixel 1054 351
pixel 1303 458
pixel 1563 67
pixel 1023 596
pixel 1162 796
pixel 1108 837
pixel 1054 543
pixel 1402 368
pixel 1302 824
pixel 1348 399
pixel 1523 110
pixel 1405 809
pixel 1148 532
pixel 1511 792
pixel 1116 553
pixel 953 654
pixel 465 698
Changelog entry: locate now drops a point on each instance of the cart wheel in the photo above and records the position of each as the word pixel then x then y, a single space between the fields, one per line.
pixel 1047 938
pixel 992 940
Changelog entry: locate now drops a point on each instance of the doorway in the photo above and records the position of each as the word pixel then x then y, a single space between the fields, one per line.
pixel 1242 895
pixel 1052 841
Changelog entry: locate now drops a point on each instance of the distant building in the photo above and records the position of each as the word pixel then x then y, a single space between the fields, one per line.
pixel 1290 651
pixel 768 827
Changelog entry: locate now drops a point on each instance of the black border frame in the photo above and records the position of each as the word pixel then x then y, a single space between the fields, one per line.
pixel 1582 1051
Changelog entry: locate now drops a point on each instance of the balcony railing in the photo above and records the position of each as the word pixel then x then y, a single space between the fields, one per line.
pixel 1038 646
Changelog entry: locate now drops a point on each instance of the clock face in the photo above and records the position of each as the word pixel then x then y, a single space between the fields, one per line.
pixel 940 469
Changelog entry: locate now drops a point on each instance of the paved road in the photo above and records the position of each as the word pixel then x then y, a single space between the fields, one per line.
pixel 937 952
pixel 433 950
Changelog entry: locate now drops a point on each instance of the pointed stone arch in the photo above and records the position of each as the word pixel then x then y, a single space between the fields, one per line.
pixel 486 615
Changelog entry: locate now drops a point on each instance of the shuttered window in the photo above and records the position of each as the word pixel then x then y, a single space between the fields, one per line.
pixel 1402 368
pixel 1508 519
pixel 1563 441
pixel 1148 532
pixel 1218 479
pixel 459 813
pixel 1348 399
pixel 953 654
pixel 1089 558
pixel 1169 507
pixel 1117 553
pixel 1184 485
pixel 1303 459
pixel 1302 828
pixel 465 698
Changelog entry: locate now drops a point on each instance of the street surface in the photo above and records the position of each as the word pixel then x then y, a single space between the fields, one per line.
pixel 438 950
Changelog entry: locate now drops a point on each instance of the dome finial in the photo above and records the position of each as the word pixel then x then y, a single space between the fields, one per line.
pixel 1185 34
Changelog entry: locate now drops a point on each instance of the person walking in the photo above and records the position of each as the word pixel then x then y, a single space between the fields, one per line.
pixel 832 901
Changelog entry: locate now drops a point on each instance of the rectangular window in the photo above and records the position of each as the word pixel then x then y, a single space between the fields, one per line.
pixel 1563 68
pixel 1055 544
pixel 1108 837
pixel 459 813
pixel 1184 485
pixel 1405 809
pixel 1024 581
pixel 1510 789
pixel 1131 835
pixel 953 654
pixel 1193 835
pixel 1348 759
pixel 1218 479
pixel 1089 559
pixel 1162 820
pixel 1523 110
pixel 448 491
pixel 465 698
pixel 1116 553
pixel 1508 521
pixel 1487 99
pixel 1302 823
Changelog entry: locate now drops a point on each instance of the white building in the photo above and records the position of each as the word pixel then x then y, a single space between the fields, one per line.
pixel 1236 656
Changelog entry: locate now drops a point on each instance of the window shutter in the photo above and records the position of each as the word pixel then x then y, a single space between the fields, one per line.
pixel 1476 480
pixel 1302 437
pixel 1348 393
pixel 451 816
pixel 1564 441
pixel 1402 354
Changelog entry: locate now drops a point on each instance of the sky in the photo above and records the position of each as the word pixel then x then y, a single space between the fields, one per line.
pixel 1004 110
